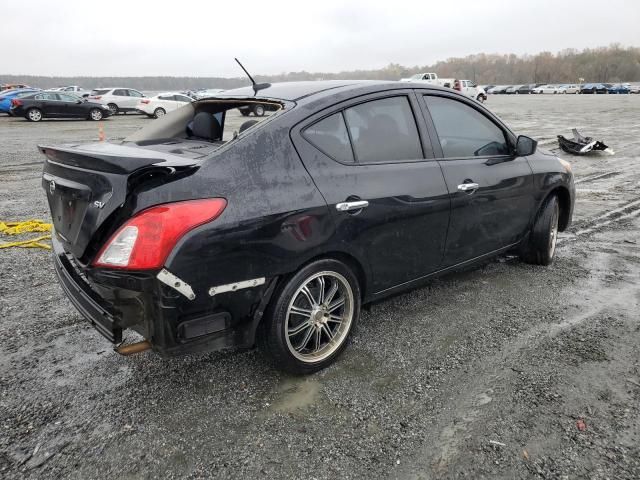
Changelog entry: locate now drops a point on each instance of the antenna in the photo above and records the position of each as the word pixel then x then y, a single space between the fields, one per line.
pixel 256 86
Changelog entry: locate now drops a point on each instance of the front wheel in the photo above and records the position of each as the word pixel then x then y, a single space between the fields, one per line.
pixel 480 98
pixel 258 110
pixel 540 247
pixel 311 317
pixel 34 115
pixel 95 114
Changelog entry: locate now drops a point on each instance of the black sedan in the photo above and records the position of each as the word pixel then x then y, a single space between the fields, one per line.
pixel 41 105
pixel 200 237
pixel 594 88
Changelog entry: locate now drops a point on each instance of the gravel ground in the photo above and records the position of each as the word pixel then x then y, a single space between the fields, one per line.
pixel 503 371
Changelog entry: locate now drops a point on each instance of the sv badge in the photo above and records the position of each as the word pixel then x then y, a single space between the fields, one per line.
pixel 98 204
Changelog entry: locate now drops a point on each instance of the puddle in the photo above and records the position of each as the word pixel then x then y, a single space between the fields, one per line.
pixel 296 394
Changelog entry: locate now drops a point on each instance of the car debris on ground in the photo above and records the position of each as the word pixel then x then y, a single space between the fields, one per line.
pixel 582 145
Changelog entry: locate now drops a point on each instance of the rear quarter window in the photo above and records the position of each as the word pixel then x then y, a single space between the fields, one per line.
pixel 330 136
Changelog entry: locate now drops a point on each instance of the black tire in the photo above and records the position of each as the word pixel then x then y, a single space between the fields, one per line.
pixel 95 114
pixel 159 112
pixel 114 108
pixel 272 336
pixel 34 115
pixel 540 246
pixel 245 113
pixel 258 110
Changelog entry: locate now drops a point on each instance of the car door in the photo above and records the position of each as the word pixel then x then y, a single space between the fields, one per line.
pixel 491 189
pixel 69 106
pixel 182 100
pixel 134 98
pixel 52 104
pixel 372 161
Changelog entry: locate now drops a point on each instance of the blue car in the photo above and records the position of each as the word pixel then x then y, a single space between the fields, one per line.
pixel 8 95
pixel 619 88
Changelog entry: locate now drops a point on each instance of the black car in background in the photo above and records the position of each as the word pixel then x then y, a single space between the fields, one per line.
pixel 53 104
pixel 594 88
pixel 202 238
pixel 527 89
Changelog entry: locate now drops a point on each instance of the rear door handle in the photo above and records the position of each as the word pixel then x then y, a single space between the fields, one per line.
pixel 351 206
pixel 468 187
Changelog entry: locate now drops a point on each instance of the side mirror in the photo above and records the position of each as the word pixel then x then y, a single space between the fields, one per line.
pixel 525 146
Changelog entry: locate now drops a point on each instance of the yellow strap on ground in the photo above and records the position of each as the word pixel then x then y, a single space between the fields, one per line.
pixel 27 226
pixel 32 243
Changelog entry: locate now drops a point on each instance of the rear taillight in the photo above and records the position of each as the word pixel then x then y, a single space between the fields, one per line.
pixel 96 97
pixel 15 102
pixel 146 240
pixel 144 101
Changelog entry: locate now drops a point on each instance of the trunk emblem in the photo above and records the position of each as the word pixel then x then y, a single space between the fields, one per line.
pixel 98 204
pixel 52 187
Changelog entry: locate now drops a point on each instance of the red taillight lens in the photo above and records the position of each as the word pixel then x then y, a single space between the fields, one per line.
pixel 144 101
pixel 145 241
pixel 96 97
pixel 15 102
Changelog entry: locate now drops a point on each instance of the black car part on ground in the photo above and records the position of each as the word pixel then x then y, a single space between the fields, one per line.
pixel 371 175
pixel 580 145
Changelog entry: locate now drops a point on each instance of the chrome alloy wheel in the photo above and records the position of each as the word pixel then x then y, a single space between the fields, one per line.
pixel 553 235
pixel 35 115
pixel 96 114
pixel 319 316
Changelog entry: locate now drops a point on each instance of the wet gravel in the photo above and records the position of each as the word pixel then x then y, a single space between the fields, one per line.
pixel 503 371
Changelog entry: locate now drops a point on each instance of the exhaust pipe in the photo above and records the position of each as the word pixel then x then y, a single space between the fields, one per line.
pixel 133 348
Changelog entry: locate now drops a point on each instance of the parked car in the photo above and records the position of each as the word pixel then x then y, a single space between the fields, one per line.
pixel 281 233
pixel 163 103
pixel 470 89
pixel 512 89
pixel 569 88
pixel 634 89
pixel 619 88
pixel 499 89
pixel 50 104
pixel 12 86
pixel 75 90
pixel 208 92
pixel 8 95
pixel 526 89
pixel 117 99
pixel 593 88
pixel 543 89
pixel 486 88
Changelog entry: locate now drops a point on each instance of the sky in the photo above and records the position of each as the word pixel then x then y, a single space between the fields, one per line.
pixel 200 38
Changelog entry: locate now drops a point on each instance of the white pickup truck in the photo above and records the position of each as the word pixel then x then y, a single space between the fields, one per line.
pixel 75 89
pixel 466 87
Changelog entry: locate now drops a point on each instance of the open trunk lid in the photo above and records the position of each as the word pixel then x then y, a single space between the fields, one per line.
pixel 85 184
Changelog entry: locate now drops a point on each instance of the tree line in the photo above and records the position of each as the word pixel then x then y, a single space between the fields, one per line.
pixel 614 63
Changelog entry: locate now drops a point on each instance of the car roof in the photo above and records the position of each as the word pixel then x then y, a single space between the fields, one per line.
pixel 293 91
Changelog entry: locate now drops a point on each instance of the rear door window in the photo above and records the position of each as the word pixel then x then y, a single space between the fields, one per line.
pixel 330 136
pixel 183 98
pixel 47 96
pixel 120 92
pixel 99 91
pixel 463 131
pixel 384 130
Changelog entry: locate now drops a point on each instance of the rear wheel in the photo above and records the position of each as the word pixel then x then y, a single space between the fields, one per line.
pixel 480 98
pixel 95 114
pixel 540 247
pixel 159 112
pixel 311 317
pixel 114 108
pixel 34 115
pixel 258 110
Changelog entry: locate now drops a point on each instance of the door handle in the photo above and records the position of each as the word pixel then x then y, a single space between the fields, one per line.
pixel 351 206
pixel 468 187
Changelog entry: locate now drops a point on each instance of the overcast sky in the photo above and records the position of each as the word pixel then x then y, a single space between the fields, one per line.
pixel 200 38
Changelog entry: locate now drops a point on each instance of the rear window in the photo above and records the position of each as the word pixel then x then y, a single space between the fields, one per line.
pixel 99 91
pixel 330 137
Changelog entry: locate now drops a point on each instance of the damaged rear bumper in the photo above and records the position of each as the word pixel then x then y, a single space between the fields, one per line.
pixel 173 323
